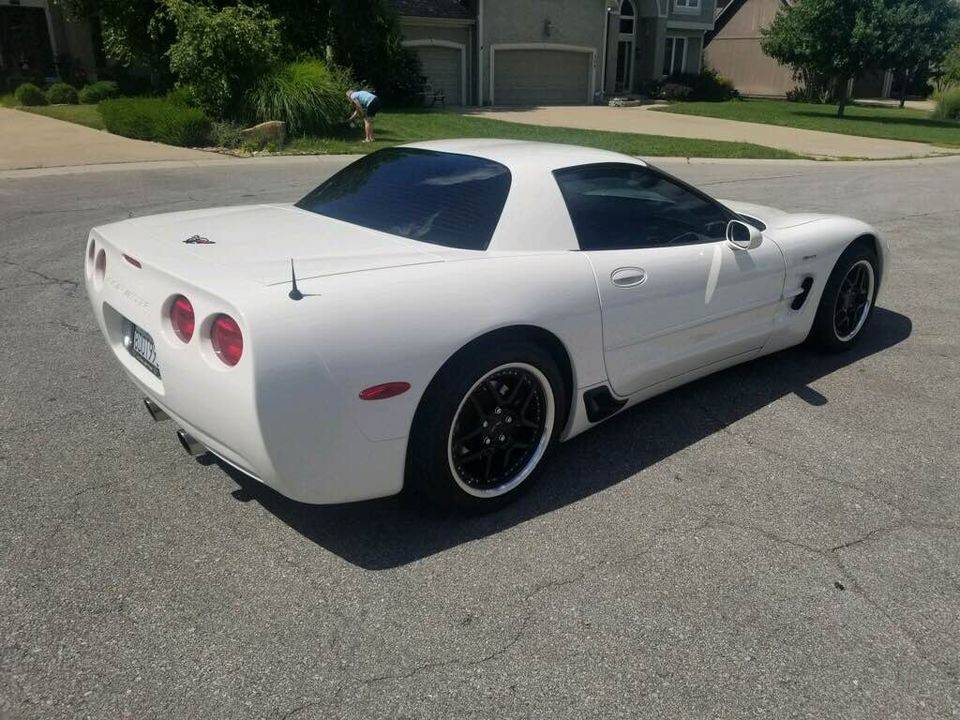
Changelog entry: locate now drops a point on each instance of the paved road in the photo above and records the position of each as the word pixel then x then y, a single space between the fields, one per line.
pixel 780 540
pixel 649 120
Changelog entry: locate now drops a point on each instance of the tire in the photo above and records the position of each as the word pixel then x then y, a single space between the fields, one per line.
pixel 841 320
pixel 457 462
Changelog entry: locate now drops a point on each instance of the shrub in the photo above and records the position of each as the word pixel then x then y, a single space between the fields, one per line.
pixel 308 95
pixel 226 135
pixel 222 53
pixel 403 84
pixel 184 95
pixel 62 94
pixel 948 105
pixel 30 94
pixel 650 88
pixel 99 91
pixel 675 91
pixel 156 119
pixel 132 80
pixel 707 85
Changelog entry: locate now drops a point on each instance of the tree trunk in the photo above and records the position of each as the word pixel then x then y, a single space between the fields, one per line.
pixel 843 83
pixel 903 87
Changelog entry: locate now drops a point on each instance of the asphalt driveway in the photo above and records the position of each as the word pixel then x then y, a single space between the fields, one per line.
pixel 778 540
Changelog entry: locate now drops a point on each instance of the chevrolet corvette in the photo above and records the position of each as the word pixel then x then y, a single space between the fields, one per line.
pixel 438 315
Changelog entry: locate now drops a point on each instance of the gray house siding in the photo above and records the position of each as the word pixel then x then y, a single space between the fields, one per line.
pixel 679 14
pixel 550 51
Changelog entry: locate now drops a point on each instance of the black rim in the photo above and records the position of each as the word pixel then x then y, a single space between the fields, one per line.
pixel 852 300
pixel 498 429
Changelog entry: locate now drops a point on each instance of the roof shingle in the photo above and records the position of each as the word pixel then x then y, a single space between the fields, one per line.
pixel 435 8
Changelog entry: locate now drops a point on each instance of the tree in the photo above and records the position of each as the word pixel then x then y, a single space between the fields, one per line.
pixel 918 34
pixel 947 72
pixel 136 33
pixel 220 54
pixel 375 53
pixel 835 39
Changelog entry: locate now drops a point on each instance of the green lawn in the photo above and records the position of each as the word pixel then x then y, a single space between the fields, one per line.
pixel 403 127
pixel 8 100
pixel 80 114
pixel 395 128
pixel 888 123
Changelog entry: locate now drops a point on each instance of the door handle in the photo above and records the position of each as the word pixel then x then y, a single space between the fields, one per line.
pixel 628 277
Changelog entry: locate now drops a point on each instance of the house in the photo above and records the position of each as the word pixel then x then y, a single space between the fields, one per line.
pixel 733 50
pixel 38 43
pixel 551 52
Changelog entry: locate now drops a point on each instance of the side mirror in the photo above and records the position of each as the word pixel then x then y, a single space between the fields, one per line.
pixel 743 236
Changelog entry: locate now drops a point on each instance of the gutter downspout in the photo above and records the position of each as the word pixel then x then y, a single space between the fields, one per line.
pixel 606 51
pixel 480 53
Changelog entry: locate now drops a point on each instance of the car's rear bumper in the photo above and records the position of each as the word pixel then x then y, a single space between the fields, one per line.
pixel 284 424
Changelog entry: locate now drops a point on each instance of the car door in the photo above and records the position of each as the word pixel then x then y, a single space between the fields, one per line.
pixel 675 295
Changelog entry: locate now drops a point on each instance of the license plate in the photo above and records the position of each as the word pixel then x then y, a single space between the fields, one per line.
pixel 139 344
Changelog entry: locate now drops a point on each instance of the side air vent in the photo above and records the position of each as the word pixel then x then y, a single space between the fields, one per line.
pixel 804 291
pixel 601 403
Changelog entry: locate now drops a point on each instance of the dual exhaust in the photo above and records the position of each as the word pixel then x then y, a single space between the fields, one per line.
pixel 192 446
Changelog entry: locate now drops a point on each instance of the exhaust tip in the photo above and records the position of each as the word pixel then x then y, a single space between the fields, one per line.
pixel 192 446
pixel 156 413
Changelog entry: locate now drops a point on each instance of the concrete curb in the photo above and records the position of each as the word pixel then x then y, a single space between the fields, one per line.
pixel 229 160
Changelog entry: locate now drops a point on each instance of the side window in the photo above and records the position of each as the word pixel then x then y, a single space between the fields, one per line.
pixel 615 206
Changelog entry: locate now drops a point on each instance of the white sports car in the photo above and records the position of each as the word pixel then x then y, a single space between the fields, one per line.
pixel 437 315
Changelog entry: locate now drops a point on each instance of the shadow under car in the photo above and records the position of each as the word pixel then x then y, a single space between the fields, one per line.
pixel 389 532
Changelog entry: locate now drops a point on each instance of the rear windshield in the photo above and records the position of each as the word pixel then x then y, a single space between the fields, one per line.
pixel 435 197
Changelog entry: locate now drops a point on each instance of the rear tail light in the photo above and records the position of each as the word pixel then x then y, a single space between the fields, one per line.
pixel 227 339
pixel 182 318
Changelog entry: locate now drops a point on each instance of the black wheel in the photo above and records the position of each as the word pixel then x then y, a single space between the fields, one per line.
pixel 484 424
pixel 847 301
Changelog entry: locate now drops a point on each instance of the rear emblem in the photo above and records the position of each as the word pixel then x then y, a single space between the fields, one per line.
pixel 199 240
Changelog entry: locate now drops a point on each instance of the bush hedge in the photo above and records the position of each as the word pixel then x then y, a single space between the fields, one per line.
pixel 308 95
pixel 99 91
pixel 156 119
pixel 676 91
pixel 706 85
pixel 62 94
pixel 948 105
pixel 30 94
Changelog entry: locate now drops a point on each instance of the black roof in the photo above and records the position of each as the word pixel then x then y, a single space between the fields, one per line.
pixel 435 8
pixel 725 10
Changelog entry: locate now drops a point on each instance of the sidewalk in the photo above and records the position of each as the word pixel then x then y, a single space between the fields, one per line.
pixel 647 121
pixel 28 140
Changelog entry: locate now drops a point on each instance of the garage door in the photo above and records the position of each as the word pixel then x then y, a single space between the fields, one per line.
pixel 541 77
pixel 441 67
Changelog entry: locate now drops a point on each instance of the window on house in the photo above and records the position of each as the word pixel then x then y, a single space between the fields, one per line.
pixel 687 4
pixel 674 56
pixel 626 17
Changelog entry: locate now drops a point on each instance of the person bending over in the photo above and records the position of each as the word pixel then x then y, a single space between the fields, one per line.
pixel 366 105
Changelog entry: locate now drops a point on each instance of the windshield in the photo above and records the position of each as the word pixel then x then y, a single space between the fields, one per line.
pixel 435 197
